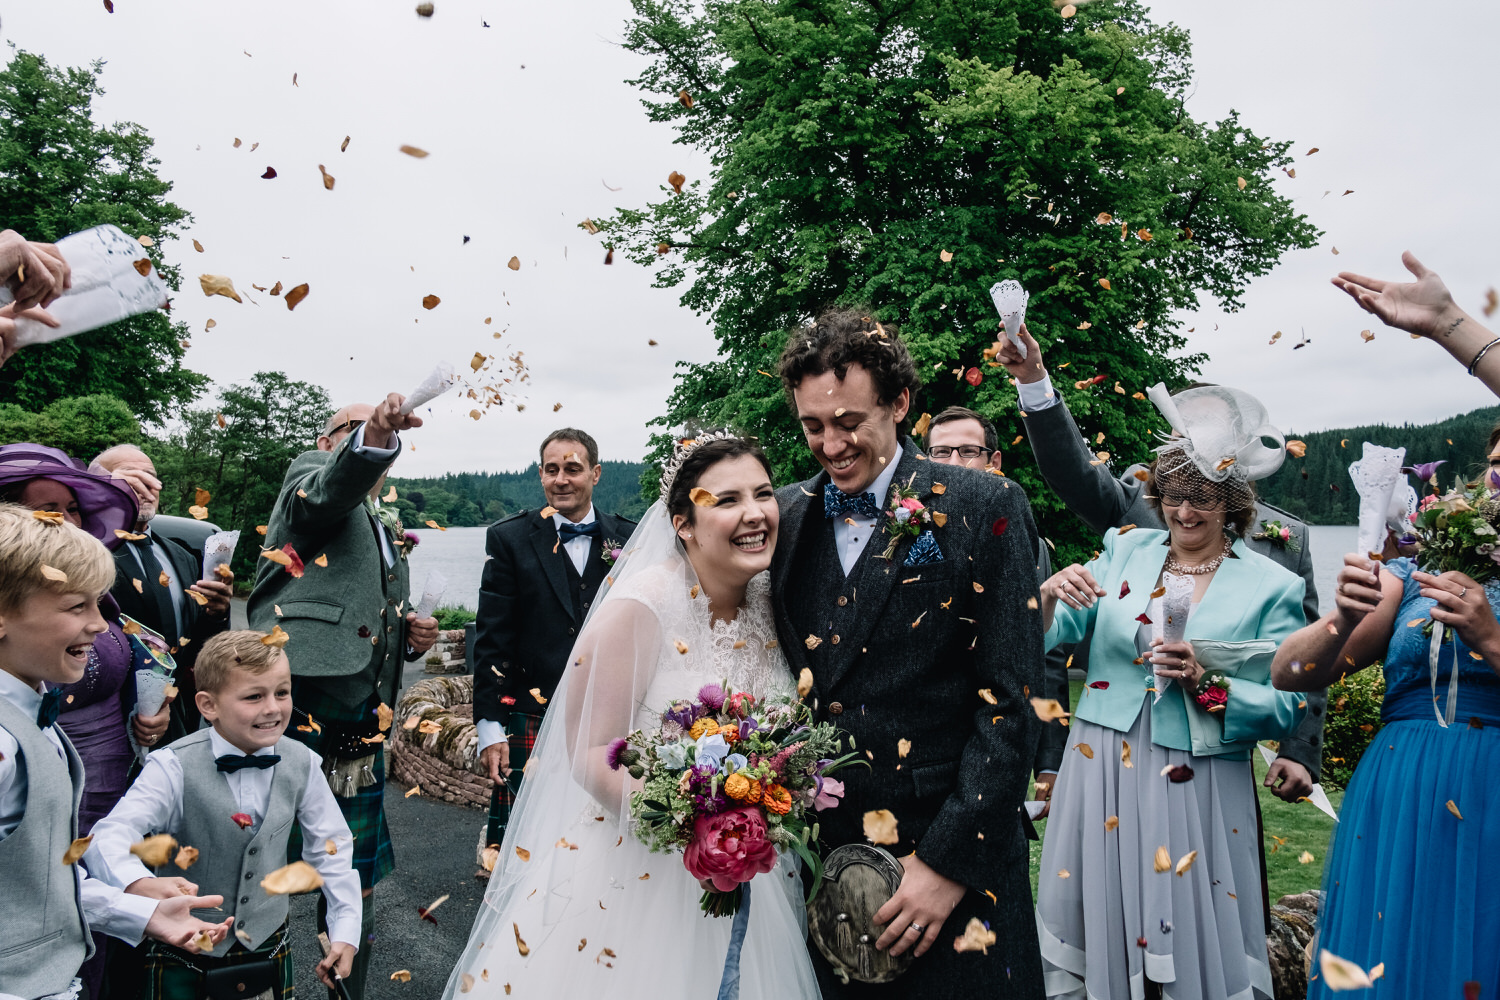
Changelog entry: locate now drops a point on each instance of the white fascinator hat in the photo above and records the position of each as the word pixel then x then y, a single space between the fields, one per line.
pixel 1220 432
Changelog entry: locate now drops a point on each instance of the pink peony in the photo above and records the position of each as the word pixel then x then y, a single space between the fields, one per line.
pixel 911 503
pixel 730 848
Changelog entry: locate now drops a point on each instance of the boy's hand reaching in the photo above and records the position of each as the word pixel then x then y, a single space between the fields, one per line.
pixel 174 923
pixel 339 961
pixel 162 888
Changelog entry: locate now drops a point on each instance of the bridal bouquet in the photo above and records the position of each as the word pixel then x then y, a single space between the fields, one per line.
pixel 1458 531
pixel 729 781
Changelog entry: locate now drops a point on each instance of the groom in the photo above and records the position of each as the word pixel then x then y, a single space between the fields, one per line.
pixel 926 658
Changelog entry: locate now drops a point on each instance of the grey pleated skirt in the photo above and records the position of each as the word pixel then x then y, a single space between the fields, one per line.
pixel 1107 919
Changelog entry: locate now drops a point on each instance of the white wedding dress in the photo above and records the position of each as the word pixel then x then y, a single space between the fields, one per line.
pixel 575 900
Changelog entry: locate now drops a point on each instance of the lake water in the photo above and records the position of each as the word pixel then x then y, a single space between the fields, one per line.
pixel 458 554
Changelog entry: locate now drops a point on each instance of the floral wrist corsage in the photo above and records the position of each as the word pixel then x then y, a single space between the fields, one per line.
pixel 1212 693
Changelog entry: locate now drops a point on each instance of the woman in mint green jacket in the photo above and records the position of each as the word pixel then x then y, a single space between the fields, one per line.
pixel 1150 878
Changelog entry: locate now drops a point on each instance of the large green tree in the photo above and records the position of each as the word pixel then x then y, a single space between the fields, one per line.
pixel 60 172
pixel 907 154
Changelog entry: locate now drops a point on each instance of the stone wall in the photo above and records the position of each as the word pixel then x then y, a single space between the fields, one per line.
pixel 441 756
pixel 447 655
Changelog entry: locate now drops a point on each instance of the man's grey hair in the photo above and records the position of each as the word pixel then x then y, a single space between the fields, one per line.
pixel 577 437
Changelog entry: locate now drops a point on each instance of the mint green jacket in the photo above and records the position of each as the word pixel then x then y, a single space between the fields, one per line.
pixel 1250 597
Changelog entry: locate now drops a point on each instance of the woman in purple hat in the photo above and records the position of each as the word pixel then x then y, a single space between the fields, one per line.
pixel 98 712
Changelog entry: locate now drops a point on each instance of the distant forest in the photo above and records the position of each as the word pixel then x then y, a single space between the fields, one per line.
pixel 1317 488
pixel 470 499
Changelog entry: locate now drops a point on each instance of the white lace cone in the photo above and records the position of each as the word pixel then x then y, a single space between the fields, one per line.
pixel 1176 604
pixel 218 551
pixel 150 691
pixel 434 385
pixel 1010 302
pixel 106 286
pixel 432 593
pixel 1375 476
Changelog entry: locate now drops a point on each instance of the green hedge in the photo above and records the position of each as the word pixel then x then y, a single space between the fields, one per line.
pixel 453 616
pixel 1353 720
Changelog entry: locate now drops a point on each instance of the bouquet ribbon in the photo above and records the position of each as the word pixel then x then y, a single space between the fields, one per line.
pixel 729 983
pixel 1434 651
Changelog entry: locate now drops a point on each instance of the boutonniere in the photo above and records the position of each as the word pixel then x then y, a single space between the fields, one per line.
pixel 610 550
pixel 1278 535
pixel 906 517
pixel 390 520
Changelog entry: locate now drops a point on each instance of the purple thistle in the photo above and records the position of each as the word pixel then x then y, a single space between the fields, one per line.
pixel 412 541
pixel 612 756
pixel 712 696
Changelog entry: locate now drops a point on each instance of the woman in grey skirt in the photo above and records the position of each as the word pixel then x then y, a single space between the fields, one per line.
pixel 1150 877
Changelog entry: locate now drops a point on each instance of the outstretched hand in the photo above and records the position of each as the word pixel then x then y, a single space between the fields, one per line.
pixel 173 922
pixel 388 420
pixel 1028 369
pixel 1418 307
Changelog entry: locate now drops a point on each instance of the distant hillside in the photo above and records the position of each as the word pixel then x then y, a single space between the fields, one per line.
pixel 1318 490
pixel 467 499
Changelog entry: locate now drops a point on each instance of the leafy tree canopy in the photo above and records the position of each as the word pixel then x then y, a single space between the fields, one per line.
pixel 908 155
pixel 82 426
pixel 61 172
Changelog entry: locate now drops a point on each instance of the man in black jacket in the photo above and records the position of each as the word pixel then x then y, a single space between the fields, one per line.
pixel 153 583
pixel 543 571
pixel 923 643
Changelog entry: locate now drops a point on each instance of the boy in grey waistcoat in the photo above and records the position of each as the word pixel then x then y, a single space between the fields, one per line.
pixel 229 796
pixel 52 575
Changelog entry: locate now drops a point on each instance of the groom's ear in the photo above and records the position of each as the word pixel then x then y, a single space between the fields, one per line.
pixel 901 407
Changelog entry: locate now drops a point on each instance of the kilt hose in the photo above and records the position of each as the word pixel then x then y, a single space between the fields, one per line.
pixel 521 731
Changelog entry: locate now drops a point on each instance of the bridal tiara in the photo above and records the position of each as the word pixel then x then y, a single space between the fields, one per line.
pixel 680 452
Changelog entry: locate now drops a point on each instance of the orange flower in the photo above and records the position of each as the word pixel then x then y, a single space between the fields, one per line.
pixel 778 800
pixel 754 794
pixel 730 732
pixel 701 728
pixel 737 787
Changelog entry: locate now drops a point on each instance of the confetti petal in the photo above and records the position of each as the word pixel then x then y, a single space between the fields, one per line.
pixel 976 937
pixel 218 284
pixel 295 295
pixel 1341 974
pixel 1162 862
pixel 299 876
pixel 1185 862
pixel 154 851
pixel 77 849
pixel 880 827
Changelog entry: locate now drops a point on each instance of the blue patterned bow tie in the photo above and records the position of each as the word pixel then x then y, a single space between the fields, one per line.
pixel 569 531
pixel 46 712
pixel 232 762
pixel 836 502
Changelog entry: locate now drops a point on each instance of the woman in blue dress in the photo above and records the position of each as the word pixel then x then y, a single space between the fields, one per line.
pixel 1409 872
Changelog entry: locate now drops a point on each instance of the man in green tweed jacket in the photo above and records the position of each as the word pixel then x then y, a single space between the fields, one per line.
pixel 339 590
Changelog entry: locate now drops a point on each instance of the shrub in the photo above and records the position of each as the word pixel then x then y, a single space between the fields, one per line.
pixel 453 616
pixel 1353 719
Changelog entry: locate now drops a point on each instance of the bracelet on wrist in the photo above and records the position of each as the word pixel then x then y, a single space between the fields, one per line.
pixel 1480 356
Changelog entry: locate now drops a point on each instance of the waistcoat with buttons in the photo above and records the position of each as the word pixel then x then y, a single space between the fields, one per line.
pixel 231 860
pixel 823 602
pixel 43 935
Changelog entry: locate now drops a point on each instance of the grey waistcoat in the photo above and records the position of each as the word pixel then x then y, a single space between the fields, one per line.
pixel 232 861
pixel 43 934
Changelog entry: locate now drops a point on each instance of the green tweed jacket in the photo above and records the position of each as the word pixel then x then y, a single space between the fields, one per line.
pixel 346 621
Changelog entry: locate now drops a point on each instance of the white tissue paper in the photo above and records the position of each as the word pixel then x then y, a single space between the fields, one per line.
pixel 432 593
pixel 106 287
pixel 1010 302
pixel 1318 797
pixel 1376 475
pixel 434 385
pixel 150 691
pixel 218 550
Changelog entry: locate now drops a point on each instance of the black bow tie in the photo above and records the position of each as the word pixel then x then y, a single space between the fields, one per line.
pixel 46 712
pixel 232 762
pixel 569 531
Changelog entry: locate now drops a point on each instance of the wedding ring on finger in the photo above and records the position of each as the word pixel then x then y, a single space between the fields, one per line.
pixel 916 927
pixel 1461 593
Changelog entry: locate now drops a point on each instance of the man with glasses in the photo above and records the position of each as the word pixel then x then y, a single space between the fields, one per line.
pixel 343 603
pixel 960 436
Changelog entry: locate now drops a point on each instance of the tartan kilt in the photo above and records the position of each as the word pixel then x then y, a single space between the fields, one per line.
pixel 173 974
pixel 520 731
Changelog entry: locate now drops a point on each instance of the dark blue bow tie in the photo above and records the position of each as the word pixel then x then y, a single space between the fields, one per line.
pixel 836 502
pixel 232 762
pixel 569 531
pixel 46 712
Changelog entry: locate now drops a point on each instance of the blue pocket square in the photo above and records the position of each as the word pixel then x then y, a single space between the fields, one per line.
pixel 923 551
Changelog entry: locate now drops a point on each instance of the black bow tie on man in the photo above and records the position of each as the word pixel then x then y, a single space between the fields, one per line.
pixel 568 531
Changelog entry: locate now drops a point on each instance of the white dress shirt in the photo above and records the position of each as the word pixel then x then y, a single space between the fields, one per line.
pixel 489 731
pixel 154 804
pixel 105 907
pixel 381 456
pixel 851 533
pixel 1038 395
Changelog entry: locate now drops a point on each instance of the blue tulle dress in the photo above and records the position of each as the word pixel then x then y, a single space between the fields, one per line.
pixel 1410 884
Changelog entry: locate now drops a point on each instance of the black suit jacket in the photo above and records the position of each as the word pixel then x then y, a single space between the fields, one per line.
pixel 198 625
pixel 532 603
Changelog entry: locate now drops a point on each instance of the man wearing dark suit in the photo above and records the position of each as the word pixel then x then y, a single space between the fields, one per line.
pixel 961 436
pixel 543 572
pixel 152 585
pixel 926 657
pixel 1102 502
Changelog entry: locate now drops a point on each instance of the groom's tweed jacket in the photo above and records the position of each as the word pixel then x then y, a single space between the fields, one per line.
pixel 944 655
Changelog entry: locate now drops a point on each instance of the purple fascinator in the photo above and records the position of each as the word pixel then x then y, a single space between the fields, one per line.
pixel 107 504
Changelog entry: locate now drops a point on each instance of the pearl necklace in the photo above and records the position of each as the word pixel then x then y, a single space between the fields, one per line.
pixel 1202 569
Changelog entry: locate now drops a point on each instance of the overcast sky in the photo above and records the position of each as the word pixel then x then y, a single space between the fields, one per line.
pixel 528 120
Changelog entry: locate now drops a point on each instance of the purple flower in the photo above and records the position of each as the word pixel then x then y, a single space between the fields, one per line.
pixel 412 541
pixel 748 726
pixel 612 756
pixel 1425 471
pixel 712 695
pixel 829 793
pixel 681 712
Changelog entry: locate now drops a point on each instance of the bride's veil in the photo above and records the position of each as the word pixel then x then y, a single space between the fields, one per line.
pixel 645 614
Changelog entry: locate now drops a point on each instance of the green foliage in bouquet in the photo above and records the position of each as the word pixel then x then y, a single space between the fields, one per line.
pixel 1458 532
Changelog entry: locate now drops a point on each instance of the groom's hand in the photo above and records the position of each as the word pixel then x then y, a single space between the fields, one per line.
pixel 914 916
pixel 496 760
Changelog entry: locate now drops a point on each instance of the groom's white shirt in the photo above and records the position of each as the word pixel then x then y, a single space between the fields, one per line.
pixel 490 731
pixel 851 538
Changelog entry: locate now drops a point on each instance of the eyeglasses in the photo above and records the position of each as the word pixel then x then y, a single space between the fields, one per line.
pixel 968 452
pixel 348 425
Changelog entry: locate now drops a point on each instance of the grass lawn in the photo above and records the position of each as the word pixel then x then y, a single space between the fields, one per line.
pixel 1300 824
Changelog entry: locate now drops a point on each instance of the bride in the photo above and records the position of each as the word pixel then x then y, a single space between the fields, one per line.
pixel 576 900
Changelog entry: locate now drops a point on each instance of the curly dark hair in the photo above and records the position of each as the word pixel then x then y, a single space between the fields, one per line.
pixel 839 338
pixel 700 461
